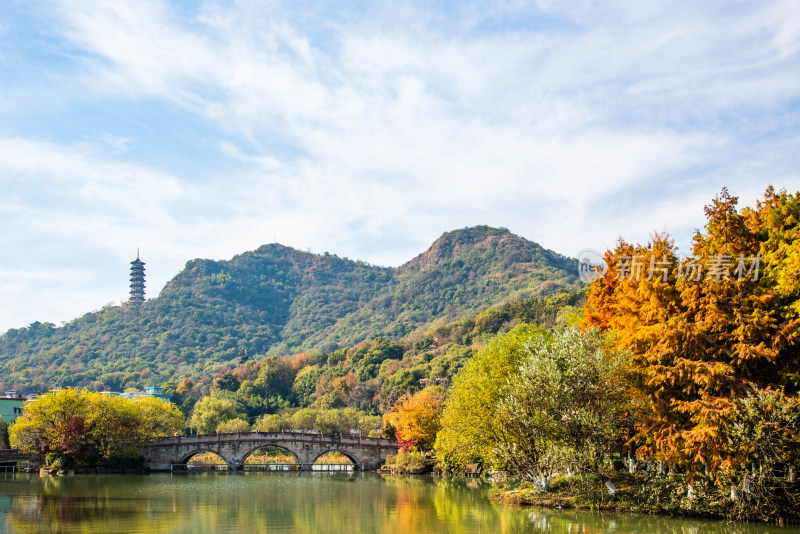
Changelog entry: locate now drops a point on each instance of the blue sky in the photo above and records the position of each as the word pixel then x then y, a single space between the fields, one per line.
pixel 205 129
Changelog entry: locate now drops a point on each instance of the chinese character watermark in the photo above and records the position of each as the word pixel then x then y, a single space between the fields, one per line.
pixel 718 267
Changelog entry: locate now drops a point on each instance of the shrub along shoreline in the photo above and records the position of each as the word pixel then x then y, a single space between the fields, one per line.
pixel 652 494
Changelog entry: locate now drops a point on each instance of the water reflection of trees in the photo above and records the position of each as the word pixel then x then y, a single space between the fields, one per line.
pixel 70 505
pixel 353 503
pixel 585 522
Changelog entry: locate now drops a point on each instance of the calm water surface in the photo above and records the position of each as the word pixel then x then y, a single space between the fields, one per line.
pixel 290 502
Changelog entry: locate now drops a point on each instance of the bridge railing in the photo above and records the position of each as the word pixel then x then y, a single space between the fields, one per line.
pixel 343 439
pixel 15 455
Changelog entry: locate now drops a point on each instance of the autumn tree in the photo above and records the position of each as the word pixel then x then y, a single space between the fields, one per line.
pixel 186 389
pixel 78 427
pixel 415 419
pixel 709 329
pixel 275 376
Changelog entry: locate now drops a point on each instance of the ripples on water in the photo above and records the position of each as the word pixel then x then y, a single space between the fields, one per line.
pixel 352 503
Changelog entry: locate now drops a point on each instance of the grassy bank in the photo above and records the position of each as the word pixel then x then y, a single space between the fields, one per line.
pixel 650 493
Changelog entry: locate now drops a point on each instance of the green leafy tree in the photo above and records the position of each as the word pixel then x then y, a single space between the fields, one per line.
pixel 564 409
pixel 305 384
pixel 337 421
pixel 233 425
pixel 276 376
pixel 467 435
pixel 764 438
pixel 304 419
pixel 269 423
pixel 210 412
pixel 248 389
pixel 370 425
pixel 187 406
pixel 169 388
pixel 227 382
pixel 4 443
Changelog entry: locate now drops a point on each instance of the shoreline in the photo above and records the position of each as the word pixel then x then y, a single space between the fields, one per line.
pixel 640 494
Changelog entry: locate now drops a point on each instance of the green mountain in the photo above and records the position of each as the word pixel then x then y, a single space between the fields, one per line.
pixel 277 300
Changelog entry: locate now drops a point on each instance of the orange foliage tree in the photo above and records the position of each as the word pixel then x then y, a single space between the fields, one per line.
pixel 708 330
pixel 416 419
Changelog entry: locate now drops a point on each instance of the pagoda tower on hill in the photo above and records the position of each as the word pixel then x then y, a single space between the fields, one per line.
pixel 137 280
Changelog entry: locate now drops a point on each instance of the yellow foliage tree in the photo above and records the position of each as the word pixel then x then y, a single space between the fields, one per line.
pixel 708 329
pixel 416 419
pixel 79 427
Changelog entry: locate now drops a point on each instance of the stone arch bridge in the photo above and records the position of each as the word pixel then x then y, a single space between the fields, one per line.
pixel 306 447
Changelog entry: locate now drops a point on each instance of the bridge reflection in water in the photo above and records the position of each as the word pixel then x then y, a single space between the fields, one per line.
pixel 210 468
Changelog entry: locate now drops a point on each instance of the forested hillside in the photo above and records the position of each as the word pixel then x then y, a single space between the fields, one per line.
pixel 277 300
pixel 370 376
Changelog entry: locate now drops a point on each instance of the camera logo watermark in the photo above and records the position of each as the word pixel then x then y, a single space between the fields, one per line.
pixel 591 265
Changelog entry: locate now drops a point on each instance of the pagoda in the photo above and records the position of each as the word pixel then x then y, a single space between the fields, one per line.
pixel 137 280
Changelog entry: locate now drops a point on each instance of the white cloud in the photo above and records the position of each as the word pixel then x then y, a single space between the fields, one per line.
pixel 46 294
pixel 368 136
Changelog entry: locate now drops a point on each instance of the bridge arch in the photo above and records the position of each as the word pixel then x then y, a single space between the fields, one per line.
pixel 274 446
pixel 356 463
pixel 186 457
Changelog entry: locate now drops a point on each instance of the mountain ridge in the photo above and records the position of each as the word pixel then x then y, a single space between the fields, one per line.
pixel 278 300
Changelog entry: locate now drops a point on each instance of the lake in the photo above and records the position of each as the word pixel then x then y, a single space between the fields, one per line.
pixel 351 503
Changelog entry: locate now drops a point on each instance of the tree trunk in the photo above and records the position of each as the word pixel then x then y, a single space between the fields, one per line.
pixel 543 483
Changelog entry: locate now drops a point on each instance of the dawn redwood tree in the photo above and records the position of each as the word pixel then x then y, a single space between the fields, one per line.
pixel 708 330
